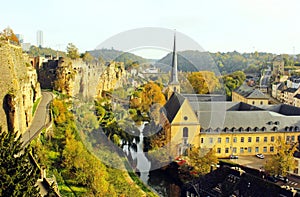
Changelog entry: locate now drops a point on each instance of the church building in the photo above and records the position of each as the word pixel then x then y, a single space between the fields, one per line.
pixel 230 128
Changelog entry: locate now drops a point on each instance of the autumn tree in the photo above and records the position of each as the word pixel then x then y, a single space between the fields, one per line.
pixel 8 33
pixel 87 57
pixel 18 175
pixel 147 96
pixel 72 51
pixel 203 82
pixel 282 162
pixel 202 159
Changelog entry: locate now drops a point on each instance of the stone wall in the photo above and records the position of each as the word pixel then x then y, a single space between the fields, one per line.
pixel 19 88
pixel 77 78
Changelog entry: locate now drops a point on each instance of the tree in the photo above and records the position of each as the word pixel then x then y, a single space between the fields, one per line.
pixel 87 57
pixel 233 81
pixel 202 159
pixel 18 175
pixel 72 51
pixel 203 82
pixel 283 161
pixel 9 35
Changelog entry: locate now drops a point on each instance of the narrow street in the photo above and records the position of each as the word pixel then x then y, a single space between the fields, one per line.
pixel 41 117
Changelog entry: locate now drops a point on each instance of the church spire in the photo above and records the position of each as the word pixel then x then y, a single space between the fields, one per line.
pixel 174 85
pixel 174 77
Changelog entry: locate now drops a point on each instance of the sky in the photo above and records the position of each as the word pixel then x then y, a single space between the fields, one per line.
pixel 216 25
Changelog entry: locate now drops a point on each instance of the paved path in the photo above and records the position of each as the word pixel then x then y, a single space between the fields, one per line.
pixel 41 117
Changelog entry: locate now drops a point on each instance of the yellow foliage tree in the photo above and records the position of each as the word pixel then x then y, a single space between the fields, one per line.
pixel 283 161
pixel 203 82
pixel 202 159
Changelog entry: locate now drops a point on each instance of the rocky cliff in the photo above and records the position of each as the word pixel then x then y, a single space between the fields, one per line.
pixel 19 88
pixel 77 78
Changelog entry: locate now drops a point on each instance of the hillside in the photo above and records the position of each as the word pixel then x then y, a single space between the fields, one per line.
pixel 188 61
pixel 223 62
pixel 119 56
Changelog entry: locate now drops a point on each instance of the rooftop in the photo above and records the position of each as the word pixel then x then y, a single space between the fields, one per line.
pixel 250 92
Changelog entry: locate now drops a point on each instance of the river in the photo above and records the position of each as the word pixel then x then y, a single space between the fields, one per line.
pixel 158 179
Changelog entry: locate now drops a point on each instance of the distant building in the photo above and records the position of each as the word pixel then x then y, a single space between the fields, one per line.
pixel 249 95
pixel 278 66
pixel 277 89
pixel 297 100
pixel 289 94
pixel 293 82
pixel 39 38
pixel 20 38
pixel 25 46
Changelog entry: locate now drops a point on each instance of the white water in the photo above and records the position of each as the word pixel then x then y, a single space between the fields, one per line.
pixel 143 164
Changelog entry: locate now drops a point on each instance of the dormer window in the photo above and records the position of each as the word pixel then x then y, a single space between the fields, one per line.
pixel 256 129
pixel 241 129
pixel 248 129
pixel 263 128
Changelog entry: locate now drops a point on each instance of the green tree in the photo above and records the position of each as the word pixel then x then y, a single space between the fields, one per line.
pixel 18 175
pixel 72 51
pixel 233 81
pixel 283 161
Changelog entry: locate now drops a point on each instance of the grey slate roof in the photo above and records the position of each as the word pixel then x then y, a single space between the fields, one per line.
pixel 297 96
pixel 241 116
pixel 291 90
pixel 250 92
pixel 204 97
pixel 173 105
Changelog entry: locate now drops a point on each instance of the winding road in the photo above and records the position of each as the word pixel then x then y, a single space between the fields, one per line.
pixel 41 118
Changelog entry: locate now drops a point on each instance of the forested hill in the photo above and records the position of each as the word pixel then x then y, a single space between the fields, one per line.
pixel 224 62
pixel 120 56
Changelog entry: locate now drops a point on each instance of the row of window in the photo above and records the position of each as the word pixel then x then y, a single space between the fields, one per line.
pixel 249 139
pixel 248 129
pixel 246 149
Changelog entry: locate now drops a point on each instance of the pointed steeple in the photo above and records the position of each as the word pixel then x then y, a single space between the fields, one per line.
pixel 174 77
pixel 174 85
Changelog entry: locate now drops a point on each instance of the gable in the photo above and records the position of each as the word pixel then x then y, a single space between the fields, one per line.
pixel 185 115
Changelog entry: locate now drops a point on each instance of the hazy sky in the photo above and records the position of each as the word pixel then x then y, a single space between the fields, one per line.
pixel 217 25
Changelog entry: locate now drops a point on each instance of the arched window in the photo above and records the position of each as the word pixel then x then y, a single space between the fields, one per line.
pixel 233 129
pixel 291 128
pixel 248 129
pixel 185 132
pixel 218 130
pixel 225 129
pixel 286 128
pixel 256 129
pixel 275 129
pixel 263 128
pixel 241 129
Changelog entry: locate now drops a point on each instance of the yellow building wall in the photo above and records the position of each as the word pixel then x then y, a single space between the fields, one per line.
pixel 238 98
pixel 210 140
pixel 185 118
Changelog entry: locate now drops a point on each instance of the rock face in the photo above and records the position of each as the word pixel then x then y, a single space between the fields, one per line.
pixel 77 78
pixel 19 88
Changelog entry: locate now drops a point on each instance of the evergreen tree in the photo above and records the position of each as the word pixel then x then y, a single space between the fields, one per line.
pixel 18 175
